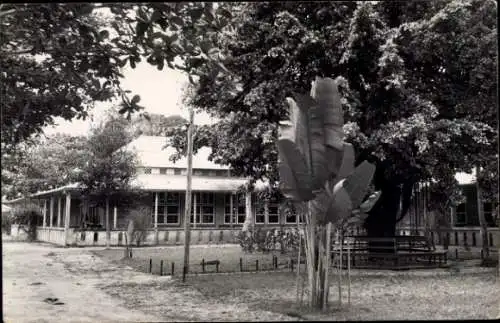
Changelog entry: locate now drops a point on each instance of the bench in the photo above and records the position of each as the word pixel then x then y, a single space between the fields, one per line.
pixel 392 260
pixel 395 252
pixel 215 263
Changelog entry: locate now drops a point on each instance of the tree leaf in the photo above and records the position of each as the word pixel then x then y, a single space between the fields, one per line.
pixel 135 99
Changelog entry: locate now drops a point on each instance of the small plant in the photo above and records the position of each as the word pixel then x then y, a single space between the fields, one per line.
pixel 141 219
pixel 28 216
pixel 6 223
pixel 287 241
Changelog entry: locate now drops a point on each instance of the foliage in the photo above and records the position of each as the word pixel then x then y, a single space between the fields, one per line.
pixel 399 91
pixel 262 240
pixel 57 59
pixel 6 223
pixel 141 218
pixel 44 164
pixel 110 167
pixel 28 216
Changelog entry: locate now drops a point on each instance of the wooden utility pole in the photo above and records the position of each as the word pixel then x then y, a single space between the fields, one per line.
pixel 187 210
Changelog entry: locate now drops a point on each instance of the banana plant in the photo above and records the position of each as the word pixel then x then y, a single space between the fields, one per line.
pixel 316 168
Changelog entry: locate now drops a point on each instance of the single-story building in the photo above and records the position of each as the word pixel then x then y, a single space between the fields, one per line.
pixel 218 213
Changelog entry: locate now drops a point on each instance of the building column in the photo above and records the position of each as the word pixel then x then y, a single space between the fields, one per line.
pixel 266 213
pixel 115 217
pixel 59 211
pixel 194 210
pixel 453 215
pixel 67 217
pixel 156 218
pixel 231 197
pixel 51 217
pixel 44 213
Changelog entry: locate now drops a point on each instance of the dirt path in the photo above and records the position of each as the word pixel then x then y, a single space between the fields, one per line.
pixel 34 272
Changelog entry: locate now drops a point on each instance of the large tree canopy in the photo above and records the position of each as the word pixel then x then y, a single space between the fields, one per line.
pixel 43 164
pixel 418 81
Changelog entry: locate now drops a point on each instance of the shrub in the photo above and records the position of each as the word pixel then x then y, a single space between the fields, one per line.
pixel 141 219
pixel 28 216
pixel 287 241
pixel 6 223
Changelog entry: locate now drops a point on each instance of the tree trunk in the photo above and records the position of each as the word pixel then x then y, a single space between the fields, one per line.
pixel 316 248
pixel 381 221
pixel 482 220
pixel 108 231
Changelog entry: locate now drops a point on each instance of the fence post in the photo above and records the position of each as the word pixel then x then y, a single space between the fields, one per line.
pixel 291 265
pixel 217 267
pixel 173 265
pixel 241 264
pixel 161 267
pixel 203 265
pixel 150 265
pixel 257 264
pixel 456 254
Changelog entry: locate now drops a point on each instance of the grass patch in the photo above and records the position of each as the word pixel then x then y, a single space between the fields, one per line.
pixel 229 257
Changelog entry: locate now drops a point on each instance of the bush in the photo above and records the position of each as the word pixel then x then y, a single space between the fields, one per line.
pixel 6 223
pixel 28 216
pixel 286 241
pixel 141 219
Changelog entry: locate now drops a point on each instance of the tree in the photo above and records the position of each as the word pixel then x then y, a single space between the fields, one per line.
pixel 317 172
pixel 44 164
pixel 399 93
pixel 110 168
pixel 56 60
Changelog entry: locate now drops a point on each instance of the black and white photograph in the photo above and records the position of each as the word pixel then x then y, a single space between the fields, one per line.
pixel 249 161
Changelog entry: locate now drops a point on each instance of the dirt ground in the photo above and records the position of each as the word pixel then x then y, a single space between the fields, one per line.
pixel 34 272
pixel 95 289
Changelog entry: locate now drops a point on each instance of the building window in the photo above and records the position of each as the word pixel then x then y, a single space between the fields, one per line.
pixel 180 171
pixel 461 214
pixel 203 172
pixel 205 208
pixel 147 170
pixel 291 215
pixel 168 208
pixel 488 214
pixel 163 170
pixel 272 210
pixel 273 217
pixel 221 173
pixel 260 213
pixel 239 208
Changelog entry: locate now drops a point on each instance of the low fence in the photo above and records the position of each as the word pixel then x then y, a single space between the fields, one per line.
pixel 55 235
pixel 458 237
pixel 161 267
pixel 467 237
pixel 77 237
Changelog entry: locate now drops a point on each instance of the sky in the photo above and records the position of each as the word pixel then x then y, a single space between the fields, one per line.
pixel 160 92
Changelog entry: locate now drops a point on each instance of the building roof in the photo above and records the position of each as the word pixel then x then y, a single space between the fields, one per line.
pixel 69 187
pixel 151 152
pixel 153 182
